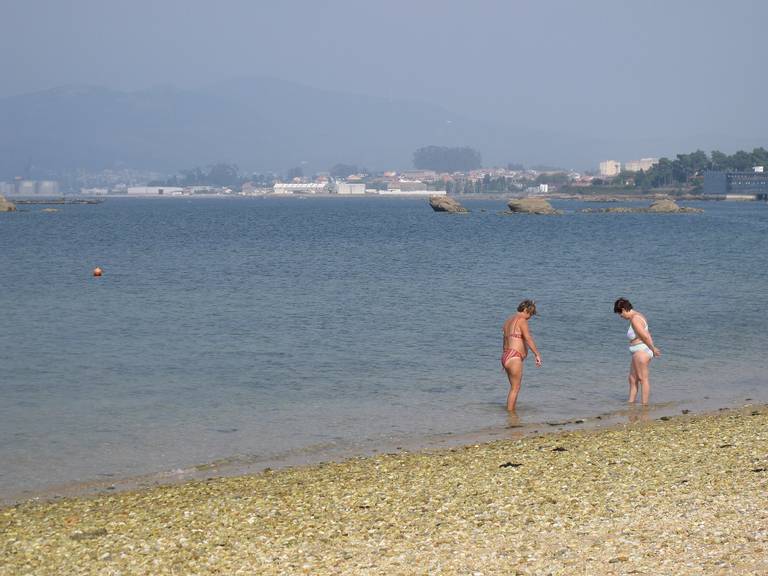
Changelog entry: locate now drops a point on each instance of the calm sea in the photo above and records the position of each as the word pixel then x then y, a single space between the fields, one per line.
pixel 260 330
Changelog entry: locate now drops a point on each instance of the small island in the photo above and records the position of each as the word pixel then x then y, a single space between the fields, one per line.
pixel 446 204
pixel 538 206
pixel 665 206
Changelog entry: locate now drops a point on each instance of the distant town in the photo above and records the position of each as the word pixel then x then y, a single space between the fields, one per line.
pixel 741 176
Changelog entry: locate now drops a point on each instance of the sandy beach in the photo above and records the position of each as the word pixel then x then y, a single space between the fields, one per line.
pixel 682 495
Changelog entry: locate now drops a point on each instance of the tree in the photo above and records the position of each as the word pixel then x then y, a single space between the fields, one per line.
pixel 741 161
pixel 719 160
pixel 296 172
pixel 445 159
pixel 220 175
pixel 760 157
pixel 343 170
pixel 557 178
pixel 661 173
pixel 223 175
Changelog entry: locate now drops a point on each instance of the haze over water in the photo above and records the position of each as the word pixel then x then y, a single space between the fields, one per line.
pixel 255 329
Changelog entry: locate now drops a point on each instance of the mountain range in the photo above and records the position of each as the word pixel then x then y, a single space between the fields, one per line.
pixel 261 124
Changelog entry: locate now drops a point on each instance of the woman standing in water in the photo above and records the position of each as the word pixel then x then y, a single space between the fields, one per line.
pixel 517 341
pixel 640 346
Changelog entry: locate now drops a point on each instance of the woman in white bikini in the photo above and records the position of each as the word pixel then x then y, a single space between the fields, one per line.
pixel 517 341
pixel 640 346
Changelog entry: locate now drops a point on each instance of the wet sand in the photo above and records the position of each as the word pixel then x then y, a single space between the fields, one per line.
pixel 684 495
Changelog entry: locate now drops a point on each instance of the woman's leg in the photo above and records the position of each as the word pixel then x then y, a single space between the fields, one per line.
pixel 514 370
pixel 641 361
pixel 632 381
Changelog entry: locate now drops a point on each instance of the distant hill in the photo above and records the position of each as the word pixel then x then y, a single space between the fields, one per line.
pixel 259 123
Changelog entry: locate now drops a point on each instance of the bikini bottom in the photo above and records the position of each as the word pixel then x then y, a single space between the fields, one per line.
pixel 641 347
pixel 509 354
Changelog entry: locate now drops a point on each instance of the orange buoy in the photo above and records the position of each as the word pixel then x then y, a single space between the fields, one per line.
pixel 97 271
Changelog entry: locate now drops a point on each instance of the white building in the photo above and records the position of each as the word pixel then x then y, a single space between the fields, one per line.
pixel 26 187
pixel 154 191
pixel 642 164
pixel 610 168
pixel 350 188
pixel 537 190
pixel 405 185
pixel 301 188
pixel 48 188
pixel 398 192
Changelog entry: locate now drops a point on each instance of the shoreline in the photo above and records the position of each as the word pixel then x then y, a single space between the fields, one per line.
pixel 624 196
pixel 678 495
pixel 234 465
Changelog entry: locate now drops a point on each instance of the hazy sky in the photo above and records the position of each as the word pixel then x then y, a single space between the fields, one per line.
pixel 659 70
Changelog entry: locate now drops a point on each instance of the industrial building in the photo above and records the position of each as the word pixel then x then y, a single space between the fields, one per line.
pixel 350 188
pixel 752 183
pixel 154 191
pixel 300 188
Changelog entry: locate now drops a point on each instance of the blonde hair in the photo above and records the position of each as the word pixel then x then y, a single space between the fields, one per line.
pixel 527 306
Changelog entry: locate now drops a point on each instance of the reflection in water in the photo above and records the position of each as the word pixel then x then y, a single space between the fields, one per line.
pixel 638 414
pixel 513 420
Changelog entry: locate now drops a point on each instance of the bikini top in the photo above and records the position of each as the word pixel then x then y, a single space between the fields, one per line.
pixel 631 331
pixel 515 334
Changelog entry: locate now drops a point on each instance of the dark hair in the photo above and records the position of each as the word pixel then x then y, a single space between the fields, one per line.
pixel 527 306
pixel 622 305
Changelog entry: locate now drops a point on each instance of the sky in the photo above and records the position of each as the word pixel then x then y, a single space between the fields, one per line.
pixel 661 73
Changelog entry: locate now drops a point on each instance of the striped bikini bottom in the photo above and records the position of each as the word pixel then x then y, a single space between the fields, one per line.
pixel 509 354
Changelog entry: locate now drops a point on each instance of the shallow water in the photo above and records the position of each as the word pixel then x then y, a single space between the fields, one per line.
pixel 258 329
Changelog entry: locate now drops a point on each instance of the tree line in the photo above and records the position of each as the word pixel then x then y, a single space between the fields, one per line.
pixel 688 169
pixel 447 159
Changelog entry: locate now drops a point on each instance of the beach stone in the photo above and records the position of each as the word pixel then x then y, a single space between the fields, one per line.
pixel 531 206
pixel 446 204
pixel 88 534
pixel 6 205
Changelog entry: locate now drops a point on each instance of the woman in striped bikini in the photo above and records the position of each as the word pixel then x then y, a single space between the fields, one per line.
pixel 517 341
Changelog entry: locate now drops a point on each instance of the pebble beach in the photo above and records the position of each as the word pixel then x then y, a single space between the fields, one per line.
pixel 682 495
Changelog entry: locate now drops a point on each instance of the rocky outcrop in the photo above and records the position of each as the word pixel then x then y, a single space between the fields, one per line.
pixel 672 207
pixel 531 206
pixel 6 206
pixel 665 206
pixel 446 204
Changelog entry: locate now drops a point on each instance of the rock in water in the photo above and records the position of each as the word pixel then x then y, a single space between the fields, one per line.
pixel 446 204
pixel 6 206
pixel 531 206
pixel 664 206
pixel 670 207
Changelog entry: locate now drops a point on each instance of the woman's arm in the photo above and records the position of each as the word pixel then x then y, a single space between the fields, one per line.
pixel 638 325
pixel 529 341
